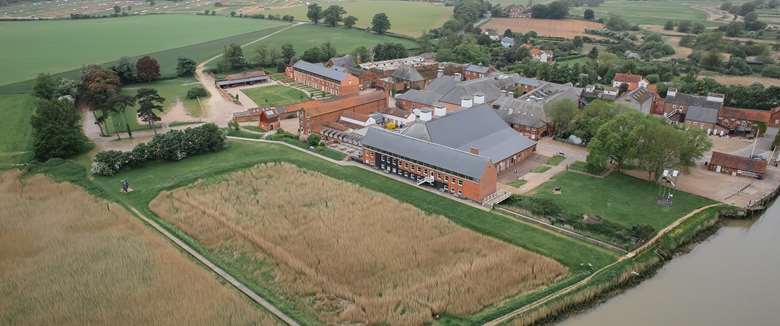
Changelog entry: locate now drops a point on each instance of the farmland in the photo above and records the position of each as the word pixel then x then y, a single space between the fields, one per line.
pixel 407 17
pixel 344 40
pixel 71 259
pixel 274 95
pixel 648 12
pixel 48 46
pixel 618 198
pixel 356 265
pixel 568 28
pixel 15 129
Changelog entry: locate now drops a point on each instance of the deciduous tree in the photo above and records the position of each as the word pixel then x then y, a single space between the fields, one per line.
pixel 57 130
pixel 332 15
pixel 350 21
pixel 147 69
pixel 380 23
pixel 314 13
pixel 149 103
pixel 185 67
pixel 98 86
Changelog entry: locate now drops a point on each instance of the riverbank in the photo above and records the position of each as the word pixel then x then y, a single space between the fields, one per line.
pixel 627 273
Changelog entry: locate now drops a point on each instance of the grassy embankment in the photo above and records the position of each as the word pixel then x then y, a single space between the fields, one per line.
pixel 150 180
pixel 275 95
pixel 406 18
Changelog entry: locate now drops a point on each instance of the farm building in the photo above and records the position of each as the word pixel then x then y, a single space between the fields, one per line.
pixel 743 121
pixel 737 165
pixel 640 99
pixel 676 105
pixel 507 42
pixel 243 79
pixel 408 78
pixel 338 82
pixel 472 72
pixel 526 114
pixel 631 82
pixel 393 64
pixel 454 94
pixel 268 118
pixel 314 114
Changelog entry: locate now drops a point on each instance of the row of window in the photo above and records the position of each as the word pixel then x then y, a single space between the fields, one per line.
pixel 418 162
pixel 422 170
pixel 450 188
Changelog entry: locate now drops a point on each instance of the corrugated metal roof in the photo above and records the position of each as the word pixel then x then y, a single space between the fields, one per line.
pixel 321 70
pixel 702 114
pixel 436 155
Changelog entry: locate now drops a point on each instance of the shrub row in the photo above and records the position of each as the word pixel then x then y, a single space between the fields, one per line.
pixel 174 145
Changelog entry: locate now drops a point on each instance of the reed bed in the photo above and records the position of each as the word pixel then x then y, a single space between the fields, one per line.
pixel 68 258
pixel 357 256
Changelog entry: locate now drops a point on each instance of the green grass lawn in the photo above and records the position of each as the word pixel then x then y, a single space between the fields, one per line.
pixel 555 160
pixel 170 89
pixel 406 17
pixel 15 129
pixel 518 183
pixel 655 12
pixel 344 40
pixel 57 46
pixel 540 169
pixel 618 198
pixel 275 95
pixel 153 178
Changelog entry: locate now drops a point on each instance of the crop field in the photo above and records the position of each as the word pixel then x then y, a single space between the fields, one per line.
pixel 50 46
pixel 655 12
pixel 344 40
pixel 618 198
pixel 274 95
pixel 63 8
pixel 68 258
pixel 406 17
pixel 567 28
pixel 15 129
pixel 361 257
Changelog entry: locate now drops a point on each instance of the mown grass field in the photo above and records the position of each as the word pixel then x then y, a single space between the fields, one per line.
pixel 344 40
pixel 15 129
pixel 70 258
pixel 275 95
pixel 618 198
pixel 406 17
pixel 58 46
pixel 330 245
pixel 656 12
pixel 152 179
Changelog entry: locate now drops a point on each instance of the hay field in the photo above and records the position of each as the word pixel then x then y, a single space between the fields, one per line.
pixel 348 254
pixel 566 28
pixel 67 258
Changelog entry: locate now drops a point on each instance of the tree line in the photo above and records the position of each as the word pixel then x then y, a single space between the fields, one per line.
pixel 335 14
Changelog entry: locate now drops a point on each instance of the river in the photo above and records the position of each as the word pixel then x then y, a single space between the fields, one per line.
pixel 732 278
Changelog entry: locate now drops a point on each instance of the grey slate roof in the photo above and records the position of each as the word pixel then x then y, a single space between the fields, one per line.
pixel 407 72
pixel 479 127
pixel 343 61
pixel 693 100
pixel 520 112
pixel 487 86
pixel 702 114
pixel 451 89
pixel 477 69
pixel 424 97
pixel 440 156
pixel 321 70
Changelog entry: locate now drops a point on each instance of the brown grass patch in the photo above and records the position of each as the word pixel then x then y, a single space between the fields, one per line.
pixel 566 28
pixel 360 256
pixel 744 80
pixel 67 258
pixel 680 52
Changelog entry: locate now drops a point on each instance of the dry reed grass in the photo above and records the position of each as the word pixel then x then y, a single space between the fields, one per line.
pixel 362 256
pixel 67 258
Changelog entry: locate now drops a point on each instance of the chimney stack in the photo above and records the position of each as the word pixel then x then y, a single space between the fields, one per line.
pixel 466 102
pixel 479 98
pixel 474 150
pixel 439 72
pixel 672 92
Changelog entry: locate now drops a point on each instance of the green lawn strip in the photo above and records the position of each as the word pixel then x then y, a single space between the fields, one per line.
pixel 15 128
pixel 408 18
pixel 166 58
pixel 253 128
pixel 151 179
pixel 687 230
pixel 540 169
pixel 518 183
pixel 618 198
pixel 555 160
pixel 243 134
pixel 170 89
pixel 50 46
pixel 275 95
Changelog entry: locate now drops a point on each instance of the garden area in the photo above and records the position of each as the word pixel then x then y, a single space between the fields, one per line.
pixel 275 95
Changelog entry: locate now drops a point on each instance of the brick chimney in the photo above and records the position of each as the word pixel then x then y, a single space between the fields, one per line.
pixel 474 150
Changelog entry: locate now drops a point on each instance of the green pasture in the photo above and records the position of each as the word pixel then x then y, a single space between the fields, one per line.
pixel 15 129
pixel 275 95
pixel 35 47
pixel 619 198
pixel 406 17
pixel 655 12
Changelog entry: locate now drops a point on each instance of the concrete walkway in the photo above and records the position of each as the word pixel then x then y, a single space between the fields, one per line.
pixel 580 284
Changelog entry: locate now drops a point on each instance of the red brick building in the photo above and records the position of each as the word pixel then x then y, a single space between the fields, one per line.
pixel 336 81
pixel 631 81
pixel 737 165
pixel 267 118
pixel 472 72
pixel 314 114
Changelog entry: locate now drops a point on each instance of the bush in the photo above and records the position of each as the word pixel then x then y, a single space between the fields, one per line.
pixel 197 91
pixel 174 145
pixel 313 140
